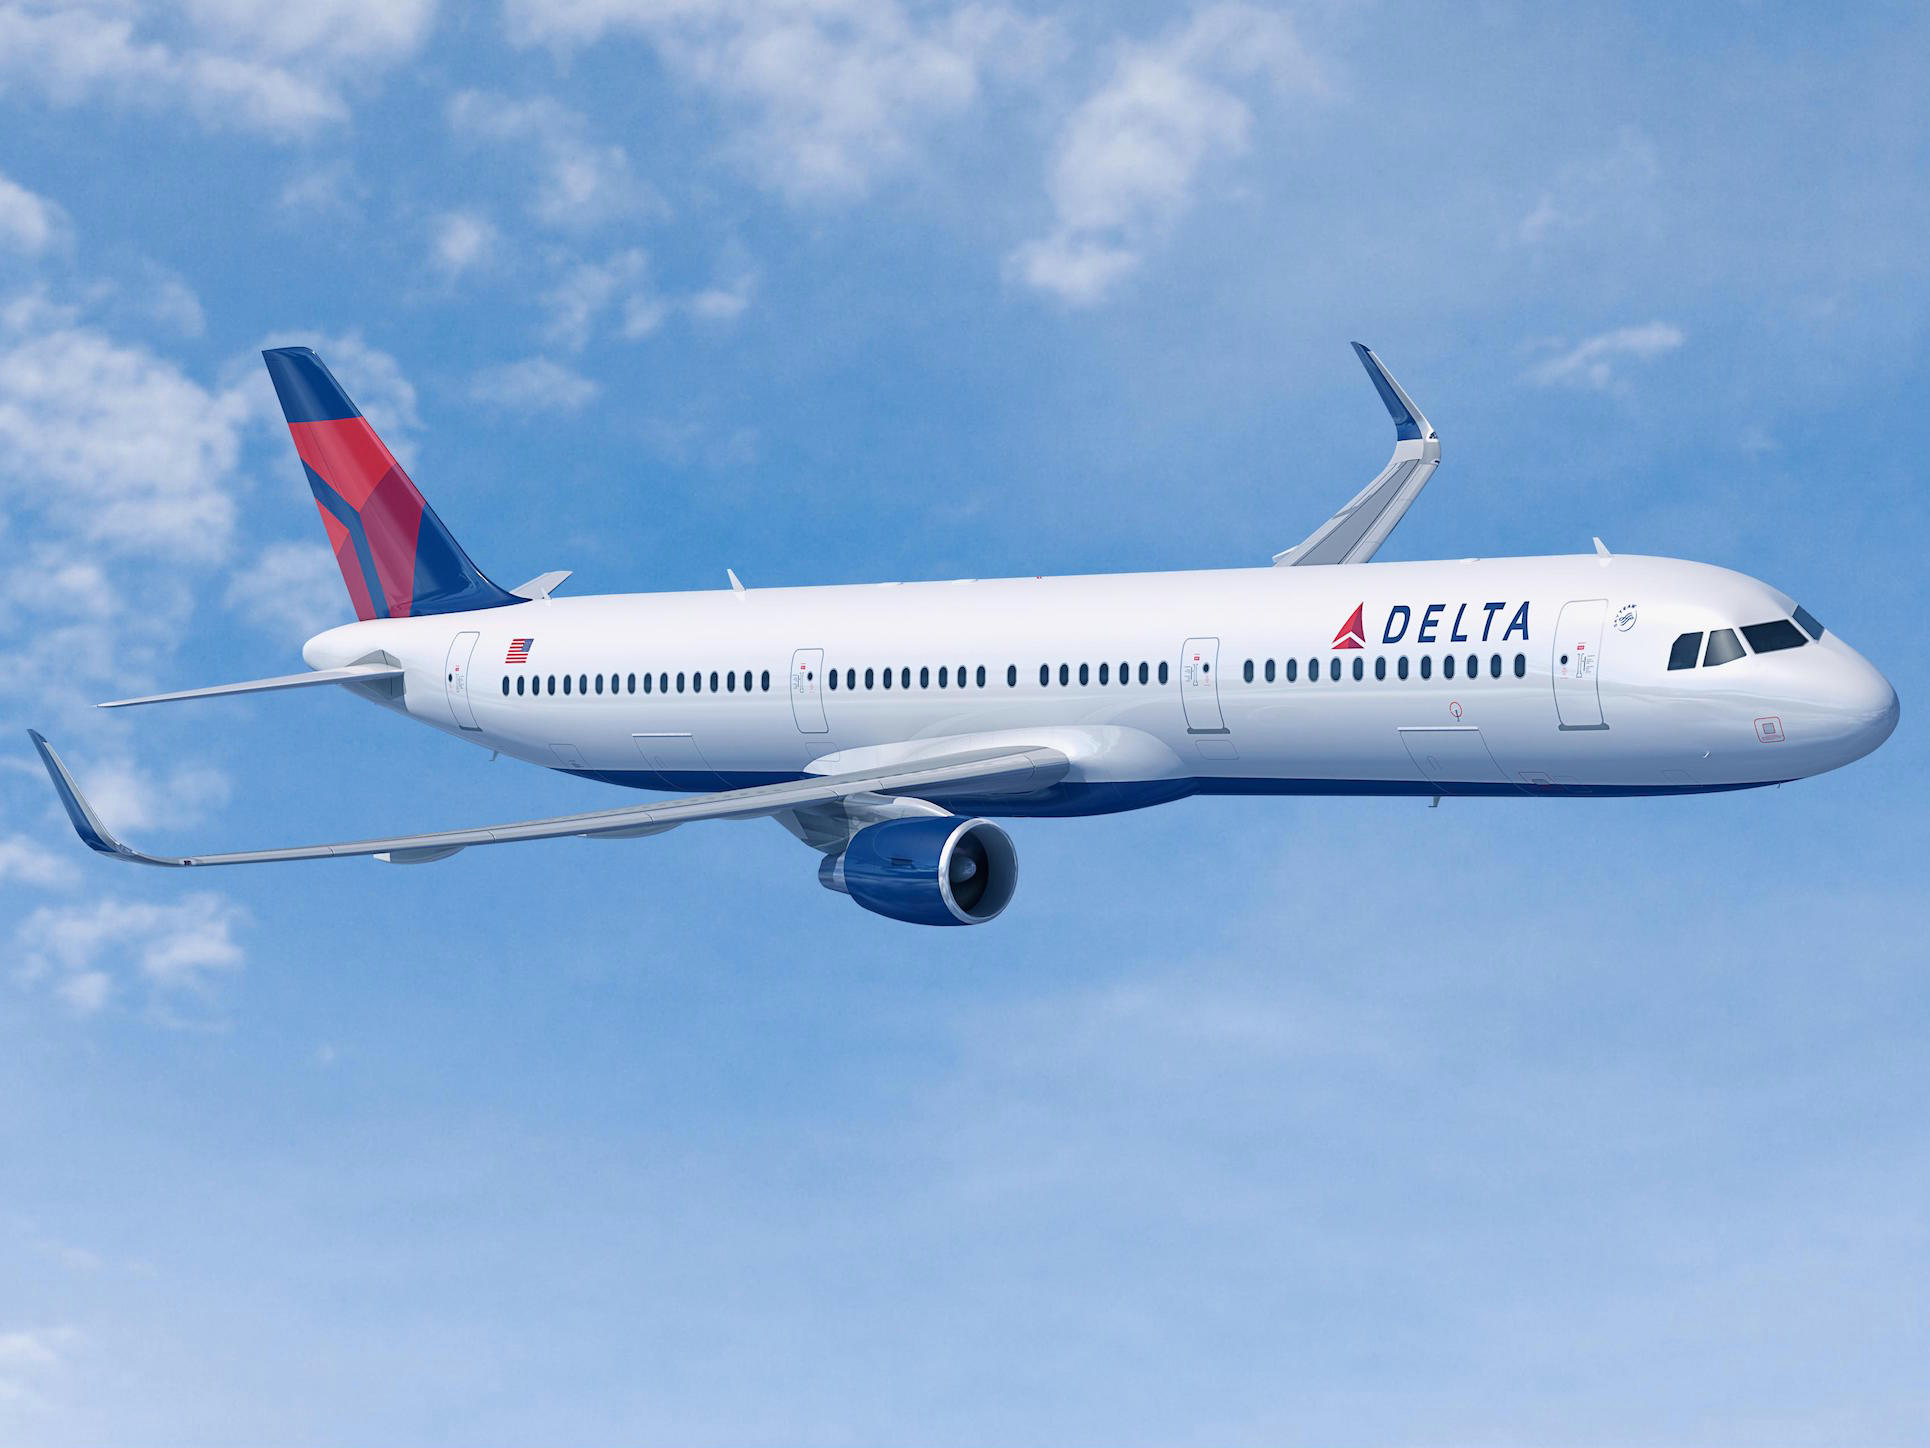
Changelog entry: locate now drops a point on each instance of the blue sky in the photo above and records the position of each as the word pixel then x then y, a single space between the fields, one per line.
pixel 1251 1121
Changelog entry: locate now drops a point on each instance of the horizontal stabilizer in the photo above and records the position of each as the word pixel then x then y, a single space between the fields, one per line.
pixel 353 674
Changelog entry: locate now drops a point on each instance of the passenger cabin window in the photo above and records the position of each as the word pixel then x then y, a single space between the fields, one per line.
pixel 1447 667
pixel 1809 623
pixel 1104 676
pixel 1427 666
pixel 764 681
pixel 1521 666
pixel 1249 671
pixel 1162 671
pixel 1685 650
pixel 1778 633
pixel 1400 667
pixel 1380 667
pixel 1724 648
pixel 1360 668
pixel 1333 670
pixel 1293 670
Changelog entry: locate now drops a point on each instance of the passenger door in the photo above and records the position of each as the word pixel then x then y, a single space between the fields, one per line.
pixel 807 691
pixel 1576 664
pixel 1199 686
pixel 456 679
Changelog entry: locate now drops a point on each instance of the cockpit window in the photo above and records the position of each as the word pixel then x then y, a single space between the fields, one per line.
pixel 1778 633
pixel 1687 648
pixel 1809 623
pixel 1724 648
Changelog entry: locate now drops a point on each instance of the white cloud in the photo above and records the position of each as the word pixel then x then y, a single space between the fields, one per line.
pixel 331 32
pixel 1126 164
pixel 78 55
pixel 1588 192
pixel 1593 363
pixel 642 315
pixel 535 384
pixel 28 862
pixel 329 190
pixel 463 241
pixel 293 589
pixel 129 797
pixel 172 302
pixel 724 303
pixel 85 954
pixel 247 65
pixel 587 289
pixel 111 442
pixel 29 224
pixel 830 93
pixel 28 1356
pixel 580 183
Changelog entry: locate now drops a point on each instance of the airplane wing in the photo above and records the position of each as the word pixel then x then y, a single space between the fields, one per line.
pixel 983 771
pixel 353 674
pixel 1355 533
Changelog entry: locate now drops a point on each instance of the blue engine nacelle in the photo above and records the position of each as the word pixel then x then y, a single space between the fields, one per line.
pixel 937 871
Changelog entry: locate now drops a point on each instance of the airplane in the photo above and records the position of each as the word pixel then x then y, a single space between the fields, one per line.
pixel 889 725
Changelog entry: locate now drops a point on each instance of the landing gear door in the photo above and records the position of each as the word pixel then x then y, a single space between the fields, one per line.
pixel 807 691
pixel 1576 664
pixel 456 679
pixel 1199 686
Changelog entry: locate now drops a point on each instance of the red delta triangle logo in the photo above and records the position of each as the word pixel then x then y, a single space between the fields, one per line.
pixel 1352 635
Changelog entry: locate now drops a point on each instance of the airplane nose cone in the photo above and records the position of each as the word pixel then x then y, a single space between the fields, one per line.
pixel 1869 709
pixel 1883 718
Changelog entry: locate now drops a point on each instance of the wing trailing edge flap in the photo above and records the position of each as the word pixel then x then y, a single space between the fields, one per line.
pixel 1356 532
pixel 1009 770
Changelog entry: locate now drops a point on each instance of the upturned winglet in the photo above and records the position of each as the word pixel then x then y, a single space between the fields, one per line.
pixel 1356 532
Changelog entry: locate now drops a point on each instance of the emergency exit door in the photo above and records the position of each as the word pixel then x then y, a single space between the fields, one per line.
pixel 1199 686
pixel 807 691
pixel 1576 664
pixel 456 680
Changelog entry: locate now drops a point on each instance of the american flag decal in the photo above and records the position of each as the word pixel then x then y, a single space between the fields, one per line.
pixel 518 651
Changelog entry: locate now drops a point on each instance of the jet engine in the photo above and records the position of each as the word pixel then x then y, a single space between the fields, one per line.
pixel 940 870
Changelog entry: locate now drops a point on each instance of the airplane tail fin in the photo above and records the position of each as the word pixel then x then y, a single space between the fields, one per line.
pixel 396 557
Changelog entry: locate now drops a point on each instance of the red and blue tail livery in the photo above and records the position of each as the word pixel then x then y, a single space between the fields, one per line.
pixel 396 557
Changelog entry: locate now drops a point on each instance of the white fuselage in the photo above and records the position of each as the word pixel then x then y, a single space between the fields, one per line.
pixel 1583 702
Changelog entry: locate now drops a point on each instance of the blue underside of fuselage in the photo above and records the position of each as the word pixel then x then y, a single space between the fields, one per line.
pixel 1068 799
